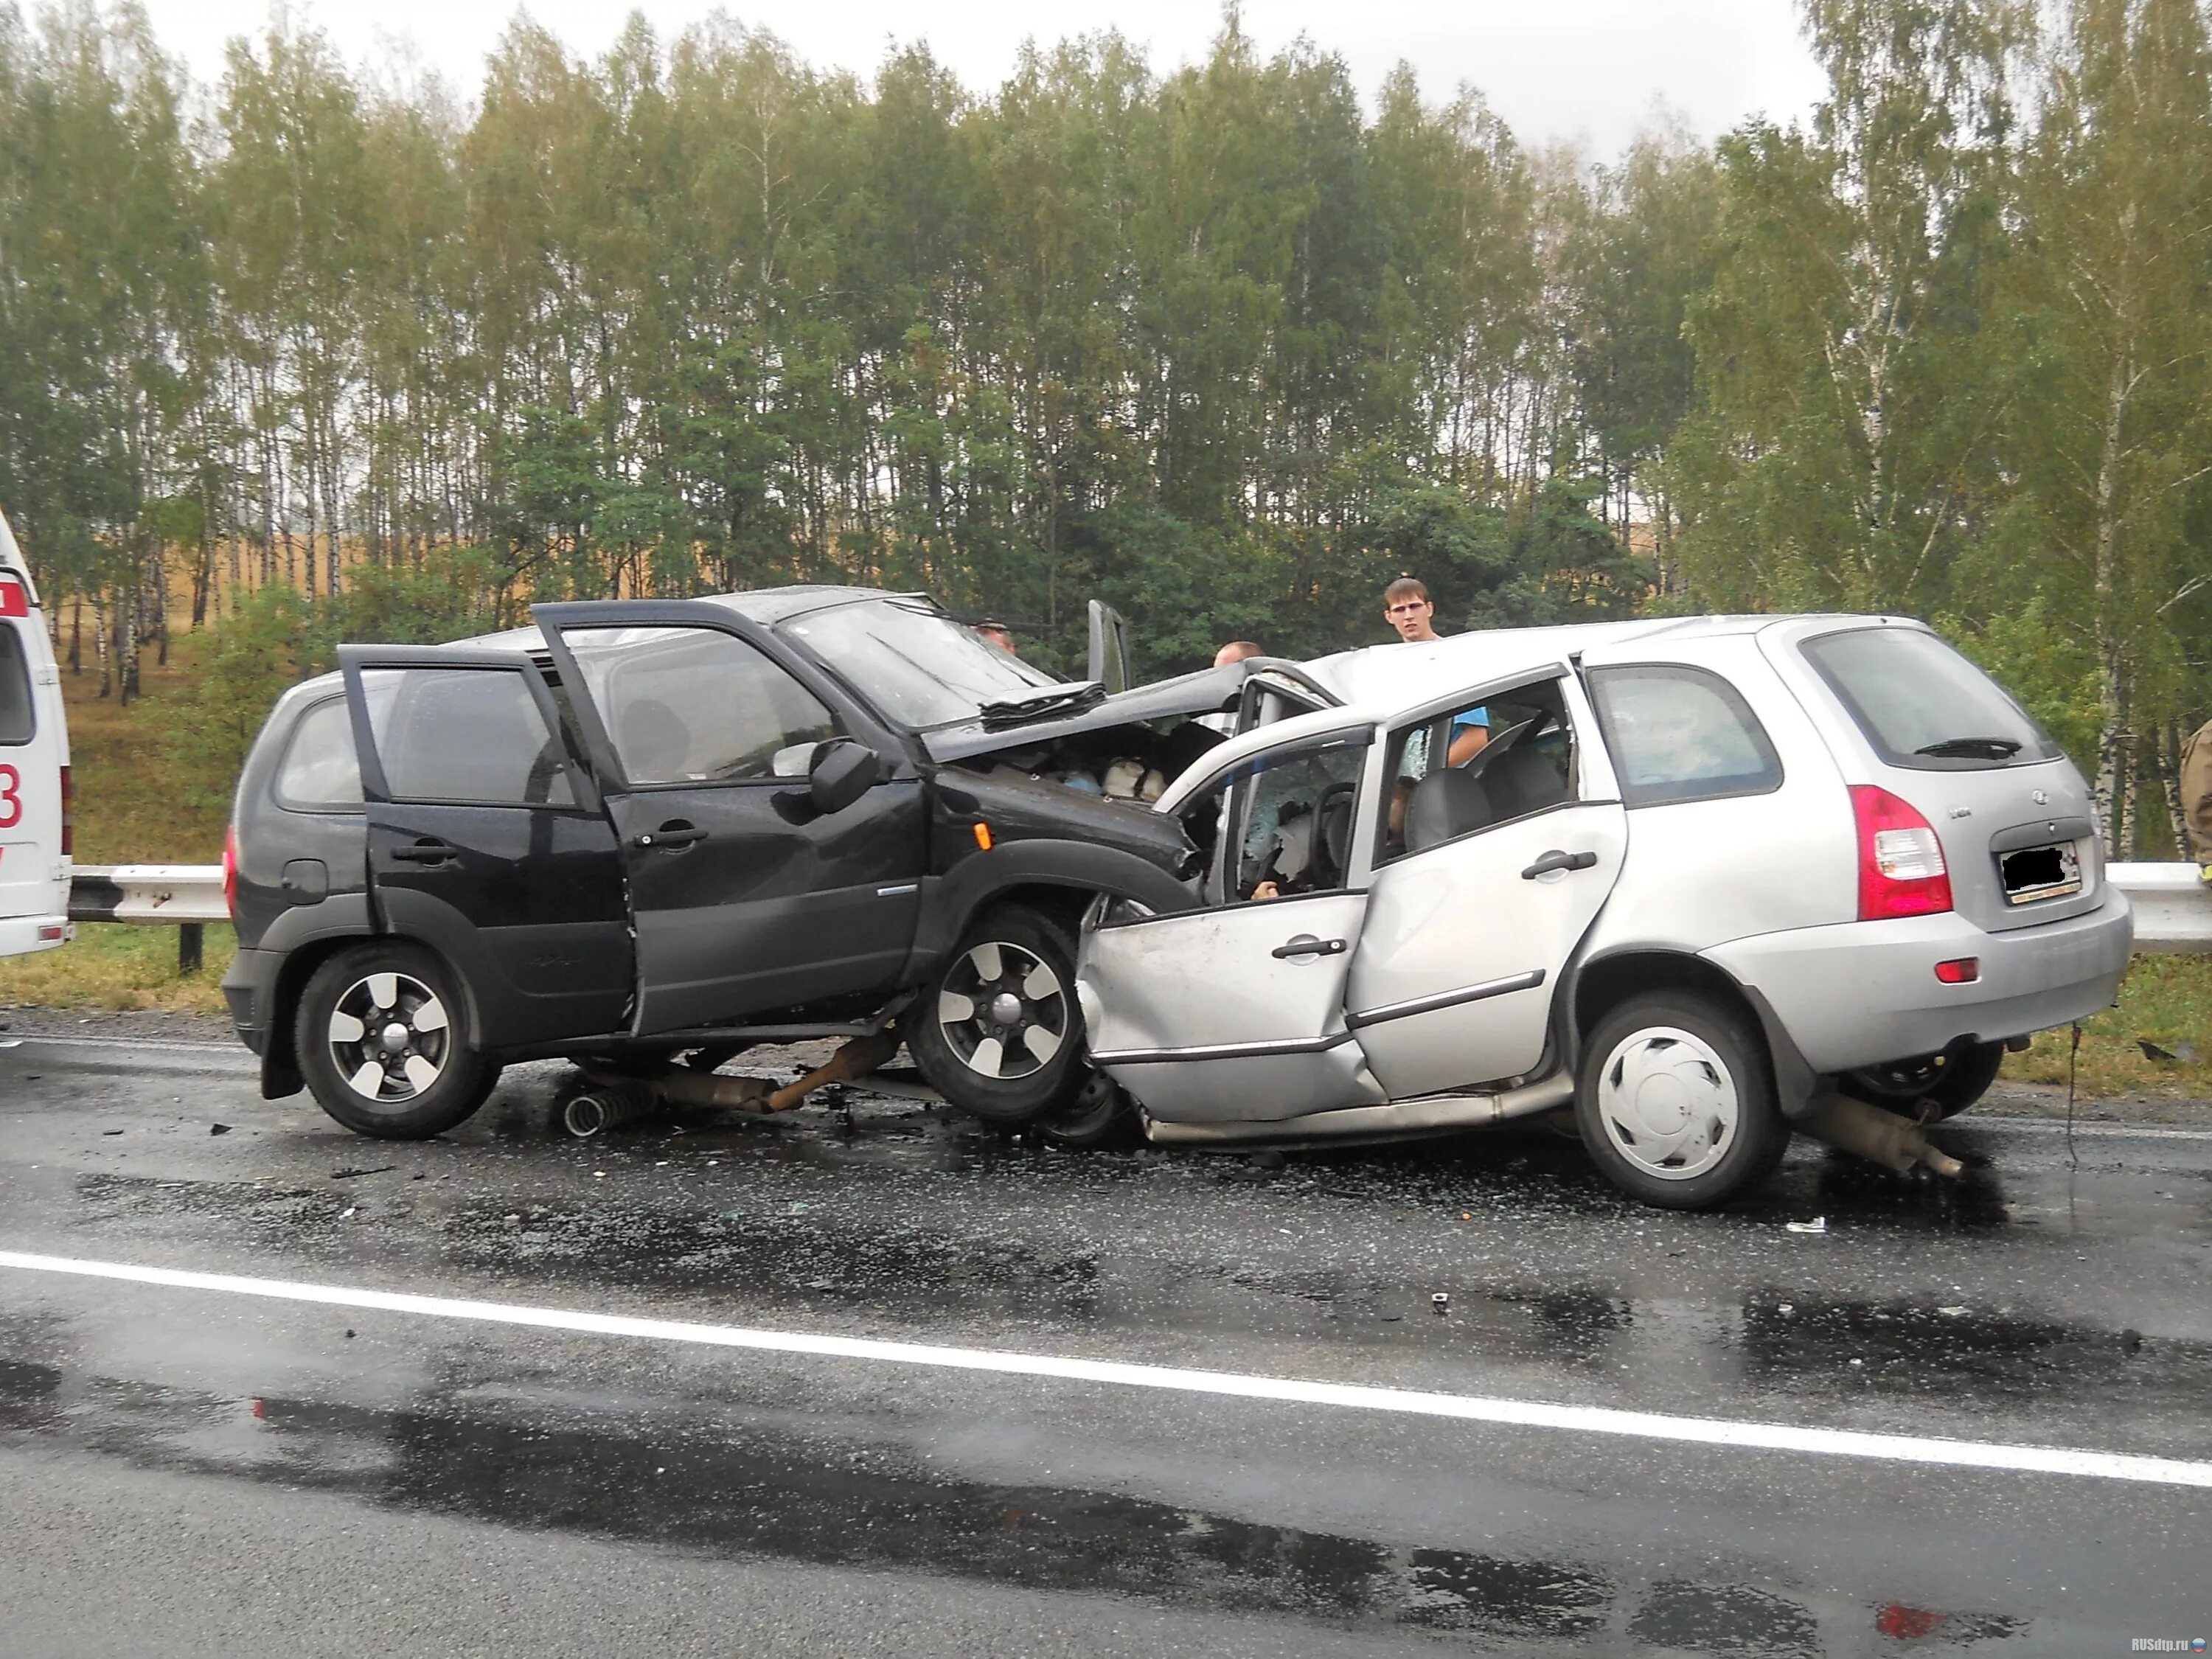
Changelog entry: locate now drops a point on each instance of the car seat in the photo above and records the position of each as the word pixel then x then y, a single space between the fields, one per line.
pixel 1526 778
pixel 655 743
pixel 1443 804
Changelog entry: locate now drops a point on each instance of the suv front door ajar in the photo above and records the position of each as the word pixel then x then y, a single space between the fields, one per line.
pixel 746 896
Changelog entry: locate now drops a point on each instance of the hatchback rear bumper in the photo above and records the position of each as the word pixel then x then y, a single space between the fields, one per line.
pixel 1862 992
pixel 21 935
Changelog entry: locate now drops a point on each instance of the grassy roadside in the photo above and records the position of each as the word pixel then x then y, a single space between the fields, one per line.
pixel 114 966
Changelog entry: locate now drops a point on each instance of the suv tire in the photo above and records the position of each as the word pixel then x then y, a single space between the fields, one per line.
pixel 1676 1101
pixel 385 1043
pixel 1949 1082
pixel 996 1030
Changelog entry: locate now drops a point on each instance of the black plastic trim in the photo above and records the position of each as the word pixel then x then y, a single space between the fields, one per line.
pixel 1494 988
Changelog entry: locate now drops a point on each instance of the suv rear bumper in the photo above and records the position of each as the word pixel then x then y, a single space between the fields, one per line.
pixel 250 989
pixel 1862 992
pixel 21 935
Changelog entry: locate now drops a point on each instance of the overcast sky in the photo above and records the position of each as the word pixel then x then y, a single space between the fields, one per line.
pixel 1556 70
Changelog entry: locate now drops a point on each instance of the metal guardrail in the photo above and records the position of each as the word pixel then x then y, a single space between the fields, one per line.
pixel 187 897
pixel 2172 904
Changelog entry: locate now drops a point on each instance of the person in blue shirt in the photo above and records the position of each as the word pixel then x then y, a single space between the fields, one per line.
pixel 1407 607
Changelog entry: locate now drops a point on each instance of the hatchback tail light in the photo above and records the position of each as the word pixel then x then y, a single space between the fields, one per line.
pixel 1901 869
pixel 230 871
pixel 69 815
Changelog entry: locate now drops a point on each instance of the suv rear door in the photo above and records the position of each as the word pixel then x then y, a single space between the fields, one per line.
pixel 745 897
pixel 486 841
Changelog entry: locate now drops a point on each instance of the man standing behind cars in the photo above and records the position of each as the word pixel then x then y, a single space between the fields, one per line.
pixel 2197 798
pixel 1407 607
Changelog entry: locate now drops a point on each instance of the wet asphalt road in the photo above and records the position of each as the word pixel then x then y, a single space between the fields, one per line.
pixel 190 1471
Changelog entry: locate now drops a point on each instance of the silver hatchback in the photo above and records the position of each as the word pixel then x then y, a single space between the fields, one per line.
pixel 1702 881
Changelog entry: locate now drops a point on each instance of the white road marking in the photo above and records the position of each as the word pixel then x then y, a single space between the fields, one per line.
pixel 158 1045
pixel 2056 1126
pixel 1473 1409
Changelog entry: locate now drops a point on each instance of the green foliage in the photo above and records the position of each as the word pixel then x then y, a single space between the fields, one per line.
pixel 2050 669
pixel 1218 344
pixel 256 653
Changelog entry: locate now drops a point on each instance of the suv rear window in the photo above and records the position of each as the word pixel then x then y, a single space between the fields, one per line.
pixel 321 772
pixel 19 720
pixel 1922 705
pixel 1681 734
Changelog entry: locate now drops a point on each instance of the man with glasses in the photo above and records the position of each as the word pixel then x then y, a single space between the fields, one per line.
pixel 1407 607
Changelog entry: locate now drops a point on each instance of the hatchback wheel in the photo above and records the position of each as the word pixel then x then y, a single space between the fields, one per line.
pixel 383 1041
pixel 1948 1082
pixel 1676 1101
pixel 998 1032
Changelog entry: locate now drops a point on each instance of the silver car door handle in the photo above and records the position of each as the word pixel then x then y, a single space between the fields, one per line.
pixel 1557 860
pixel 1305 944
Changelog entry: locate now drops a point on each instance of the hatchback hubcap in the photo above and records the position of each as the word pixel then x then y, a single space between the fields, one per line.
pixel 1668 1103
pixel 389 1037
pixel 1003 1011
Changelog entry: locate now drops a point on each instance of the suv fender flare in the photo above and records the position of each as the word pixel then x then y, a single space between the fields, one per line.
pixel 949 902
pixel 295 942
pixel 1797 1086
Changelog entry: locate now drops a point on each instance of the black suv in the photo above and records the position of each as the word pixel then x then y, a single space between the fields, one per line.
pixel 642 829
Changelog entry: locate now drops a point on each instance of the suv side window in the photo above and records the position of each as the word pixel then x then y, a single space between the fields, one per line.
pixel 694 705
pixel 472 735
pixel 1681 734
pixel 320 771
pixel 19 719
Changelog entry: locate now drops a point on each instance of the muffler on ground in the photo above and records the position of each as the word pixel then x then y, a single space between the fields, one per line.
pixel 1883 1138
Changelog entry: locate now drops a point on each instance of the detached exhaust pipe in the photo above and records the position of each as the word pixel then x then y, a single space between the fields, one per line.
pixel 597 1110
pixel 1883 1138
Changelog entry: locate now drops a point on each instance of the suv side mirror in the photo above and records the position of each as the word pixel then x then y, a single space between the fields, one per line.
pixel 843 772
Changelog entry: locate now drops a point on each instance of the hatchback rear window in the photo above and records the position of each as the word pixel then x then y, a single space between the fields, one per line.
pixel 1922 705
pixel 19 720
pixel 1681 734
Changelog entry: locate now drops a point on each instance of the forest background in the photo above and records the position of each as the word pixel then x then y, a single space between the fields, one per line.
pixel 323 351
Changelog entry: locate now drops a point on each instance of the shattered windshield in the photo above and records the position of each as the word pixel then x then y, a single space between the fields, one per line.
pixel 914 662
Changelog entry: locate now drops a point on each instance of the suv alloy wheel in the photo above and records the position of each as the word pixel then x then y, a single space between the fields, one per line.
pixel 998 1031
pixel 383 1040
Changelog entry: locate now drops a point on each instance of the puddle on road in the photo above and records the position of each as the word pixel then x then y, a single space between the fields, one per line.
pixel 740 1490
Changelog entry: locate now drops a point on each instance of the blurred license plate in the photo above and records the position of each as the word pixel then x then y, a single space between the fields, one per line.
pixel 2041 872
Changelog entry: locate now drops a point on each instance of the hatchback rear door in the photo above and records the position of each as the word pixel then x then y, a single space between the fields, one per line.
pixel 487 842
pixel 747 899
pixel 1914 720
pixel 1504 862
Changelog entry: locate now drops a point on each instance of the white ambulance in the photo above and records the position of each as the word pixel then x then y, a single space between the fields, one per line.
pixel 34 770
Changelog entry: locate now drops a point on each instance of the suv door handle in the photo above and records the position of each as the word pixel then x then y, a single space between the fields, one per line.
pixel 1555 861
pixel 669 837
pixel 1305 944
pixel 425 851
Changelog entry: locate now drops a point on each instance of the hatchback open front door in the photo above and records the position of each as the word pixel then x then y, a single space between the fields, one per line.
pixel 487 842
